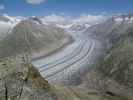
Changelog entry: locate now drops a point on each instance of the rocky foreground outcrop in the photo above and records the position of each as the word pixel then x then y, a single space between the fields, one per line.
pixel 19 80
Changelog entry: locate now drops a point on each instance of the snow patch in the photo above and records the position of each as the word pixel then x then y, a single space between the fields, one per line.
pixel 119 19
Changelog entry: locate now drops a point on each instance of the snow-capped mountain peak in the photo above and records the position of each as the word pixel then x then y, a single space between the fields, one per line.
pixel 7 23
pixel 123 19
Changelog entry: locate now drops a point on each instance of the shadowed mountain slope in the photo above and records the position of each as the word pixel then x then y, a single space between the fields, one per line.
pixel 29 36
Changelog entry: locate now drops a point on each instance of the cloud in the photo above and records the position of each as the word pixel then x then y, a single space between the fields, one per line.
pixel 35 2
pixel 53 18
pixel 56 19
pixel 2 7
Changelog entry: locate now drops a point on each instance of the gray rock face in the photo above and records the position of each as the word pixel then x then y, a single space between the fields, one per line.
pixel 114 73
pixel 118 63
pixel 23 82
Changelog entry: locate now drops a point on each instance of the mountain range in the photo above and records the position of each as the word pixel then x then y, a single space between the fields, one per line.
pixel 109 78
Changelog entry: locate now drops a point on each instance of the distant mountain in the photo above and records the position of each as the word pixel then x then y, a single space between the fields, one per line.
pixel 111 30
pixel 28 36
pixel 7 23
pixel 77 24
pixel 79 27
pixel 84 22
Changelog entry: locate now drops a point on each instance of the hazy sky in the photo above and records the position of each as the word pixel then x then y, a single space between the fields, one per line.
pixel 66 7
